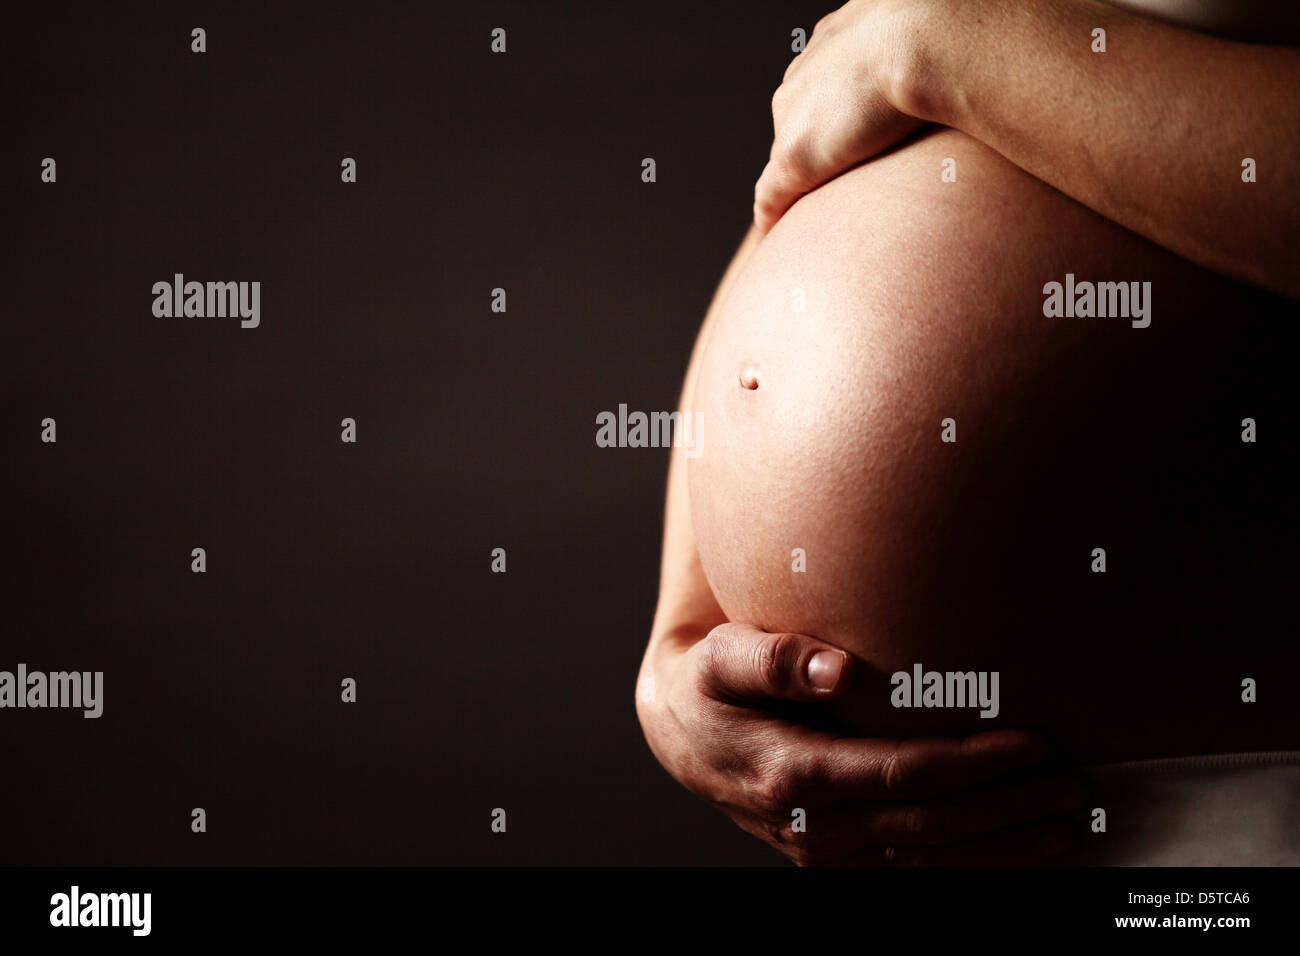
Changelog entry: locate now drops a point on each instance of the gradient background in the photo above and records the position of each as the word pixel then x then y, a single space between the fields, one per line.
pixel 476 429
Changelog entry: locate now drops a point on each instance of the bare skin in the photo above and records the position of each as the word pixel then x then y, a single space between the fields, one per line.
pixel 714 701
pixel 1150 134
pixel 924 302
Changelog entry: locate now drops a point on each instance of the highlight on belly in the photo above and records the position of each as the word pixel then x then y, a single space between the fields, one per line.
pixel 975 557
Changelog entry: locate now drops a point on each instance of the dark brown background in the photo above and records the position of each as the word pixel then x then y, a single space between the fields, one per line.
pixel 476 429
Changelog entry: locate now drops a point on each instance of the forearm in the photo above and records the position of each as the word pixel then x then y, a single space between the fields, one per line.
pixel 1151 134
pixel 686 603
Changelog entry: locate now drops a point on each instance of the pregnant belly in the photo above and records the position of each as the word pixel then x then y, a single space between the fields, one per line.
pixel 901 454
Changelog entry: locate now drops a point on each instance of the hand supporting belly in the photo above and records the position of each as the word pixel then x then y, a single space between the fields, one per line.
pixel 905 456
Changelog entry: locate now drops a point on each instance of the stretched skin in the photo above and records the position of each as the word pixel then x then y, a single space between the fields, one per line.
pixel 923 301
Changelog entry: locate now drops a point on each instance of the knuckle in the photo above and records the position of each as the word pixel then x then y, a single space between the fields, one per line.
pixel 710 658
pixel 771 793
pixel 811 769
pixel 772 659
pixel 781 94
pixel 766 216
pixel 720 633
pixel 707 655
pixel 776 790
pixel 791 153
pixel 897 774
pixel 786 139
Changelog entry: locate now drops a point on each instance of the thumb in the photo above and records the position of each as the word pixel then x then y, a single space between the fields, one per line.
pixel 737 663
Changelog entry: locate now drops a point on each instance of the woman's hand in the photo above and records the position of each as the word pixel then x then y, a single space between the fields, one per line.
pixel 839 102
pixel 706 708
pixel 1161 129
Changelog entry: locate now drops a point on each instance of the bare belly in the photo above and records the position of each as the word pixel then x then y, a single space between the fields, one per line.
pixel 889 302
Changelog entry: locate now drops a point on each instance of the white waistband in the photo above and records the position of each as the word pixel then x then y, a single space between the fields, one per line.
pixel 1237 809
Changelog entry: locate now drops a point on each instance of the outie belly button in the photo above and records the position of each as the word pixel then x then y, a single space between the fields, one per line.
pixel 749 376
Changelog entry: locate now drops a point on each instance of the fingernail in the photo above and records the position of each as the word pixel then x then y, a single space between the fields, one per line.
pixel 824 669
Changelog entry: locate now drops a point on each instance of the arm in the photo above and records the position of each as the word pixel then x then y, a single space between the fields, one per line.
pixel 1151 134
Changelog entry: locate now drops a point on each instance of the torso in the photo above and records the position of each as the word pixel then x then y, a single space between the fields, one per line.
pixel 924 302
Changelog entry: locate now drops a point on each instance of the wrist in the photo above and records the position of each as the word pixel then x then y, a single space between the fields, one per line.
pixel 925 62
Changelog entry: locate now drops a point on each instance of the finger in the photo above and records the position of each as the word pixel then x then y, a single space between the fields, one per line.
pixel 739 664
pixel 821 835
pixel 813 835
pixel 852 768
pixel 965 815
pixel 778 186
pixel 1027 843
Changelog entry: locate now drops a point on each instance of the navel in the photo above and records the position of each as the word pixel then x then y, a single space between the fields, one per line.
pixel 749 377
